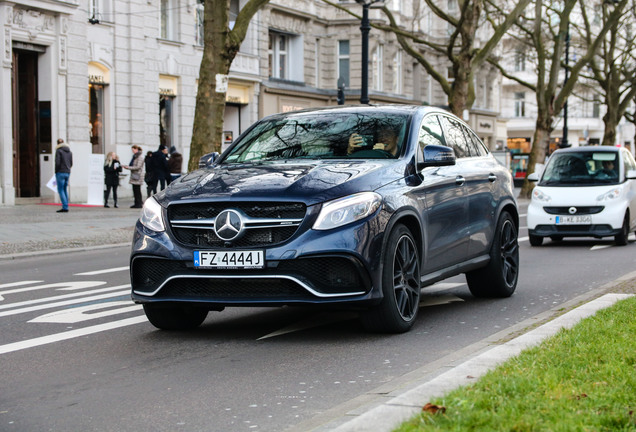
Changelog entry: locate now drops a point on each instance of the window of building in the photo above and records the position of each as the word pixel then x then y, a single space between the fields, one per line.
pixel 520 61
pixel 198 32
pixel 100 10
pixel 278 47
pixel 234 11
pixel 343 61
pixel 377 62
pixel 167 97
pixel 168 19
pixel 450 74
pixel 317 63
pixel 98 79
pixel 596 109
pixel 520 104
pixel 397 72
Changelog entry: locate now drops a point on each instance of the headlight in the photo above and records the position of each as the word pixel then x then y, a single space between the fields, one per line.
pixel 151 215
pixel 349 209
pixel 539 195
pixel 610 195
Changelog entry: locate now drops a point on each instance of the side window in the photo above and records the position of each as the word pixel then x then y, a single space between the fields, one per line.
pixel 477 148
pixel 431 132
pixel 629 162
pixel 454 134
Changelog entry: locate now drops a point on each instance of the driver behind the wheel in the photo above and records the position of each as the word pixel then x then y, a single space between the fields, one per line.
pixel 387 141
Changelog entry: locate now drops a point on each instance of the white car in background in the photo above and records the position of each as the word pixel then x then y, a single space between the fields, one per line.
pixel 584 192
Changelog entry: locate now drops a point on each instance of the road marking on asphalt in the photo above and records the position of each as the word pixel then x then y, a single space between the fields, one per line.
pixel 30 343
pixel 98 272
pixel 61 297
pixel 61 286
pixel 65 303
pixel 439 300
pixel 522 239
pixel 312 322
pixel 14 284
pixel 598 247
pixel 85 313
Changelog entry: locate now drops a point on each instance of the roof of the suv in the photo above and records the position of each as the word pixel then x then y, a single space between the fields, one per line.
pixel 401 109
pixel 588 149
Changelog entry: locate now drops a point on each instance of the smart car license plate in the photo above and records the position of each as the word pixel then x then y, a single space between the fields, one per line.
pixel 573 220
pixel 229 259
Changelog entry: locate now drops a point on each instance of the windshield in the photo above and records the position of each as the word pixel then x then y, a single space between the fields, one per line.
pixel 582 168
pixel 323 136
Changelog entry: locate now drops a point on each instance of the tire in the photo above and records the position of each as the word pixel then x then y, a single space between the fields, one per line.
pixel 621 238
pixel 174 317
pixel 556 238
pixel 535 240
pixel 400 286
pixel 499 277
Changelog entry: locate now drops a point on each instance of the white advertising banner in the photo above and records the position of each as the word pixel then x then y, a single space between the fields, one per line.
pixel 95 179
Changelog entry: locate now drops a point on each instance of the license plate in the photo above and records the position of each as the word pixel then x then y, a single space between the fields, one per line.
pixel 229 259
pixel 573 220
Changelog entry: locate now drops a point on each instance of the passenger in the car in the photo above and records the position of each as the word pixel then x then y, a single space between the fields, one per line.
pixel 386 140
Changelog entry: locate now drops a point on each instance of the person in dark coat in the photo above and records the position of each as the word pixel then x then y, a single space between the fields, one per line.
pixel 63 164
pixel 151 176
pixel 175 163
pixel 160 164
pixel 112 168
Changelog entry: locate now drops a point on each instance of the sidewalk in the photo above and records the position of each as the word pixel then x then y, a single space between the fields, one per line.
pixel 35 228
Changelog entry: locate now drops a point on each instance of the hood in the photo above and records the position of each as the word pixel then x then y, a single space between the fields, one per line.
pixel 577 195
pixel 310 182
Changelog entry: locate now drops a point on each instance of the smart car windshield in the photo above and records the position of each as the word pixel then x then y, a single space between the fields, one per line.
pixel 581 168
pixel 323 136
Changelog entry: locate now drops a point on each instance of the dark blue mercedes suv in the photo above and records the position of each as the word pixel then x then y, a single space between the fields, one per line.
pixel 361 206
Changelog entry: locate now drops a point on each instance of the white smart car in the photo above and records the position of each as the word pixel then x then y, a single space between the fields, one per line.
pixel 584 192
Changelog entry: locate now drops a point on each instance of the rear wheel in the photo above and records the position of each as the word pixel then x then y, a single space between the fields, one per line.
pixel 535 240
pixel 400 286
pixel 174 317
pixel 621 238
pixel 499 277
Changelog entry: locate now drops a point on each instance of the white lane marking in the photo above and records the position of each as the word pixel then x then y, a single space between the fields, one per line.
pixel 79 314
pixel 441 286
pixel 522 239
pixel 598 247
pixel 439 300
pixel 61 297
pixel 523 215
pixel 30 343
pixel 98 272
pixel 14 284
pixel 64 303
pixel 61 286
pixel 315 321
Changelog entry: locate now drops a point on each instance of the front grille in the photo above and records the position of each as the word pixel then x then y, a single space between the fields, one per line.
pixel 268 223
pixel 584 210
pixel 326 275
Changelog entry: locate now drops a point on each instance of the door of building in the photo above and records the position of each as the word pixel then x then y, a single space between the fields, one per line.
pixel 26 168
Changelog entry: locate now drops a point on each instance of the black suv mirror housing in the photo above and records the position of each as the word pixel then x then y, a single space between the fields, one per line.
pixel 207 160
pixel 436 155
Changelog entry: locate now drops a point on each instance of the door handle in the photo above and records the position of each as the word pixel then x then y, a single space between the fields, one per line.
pixel 492 178
pixel 460 180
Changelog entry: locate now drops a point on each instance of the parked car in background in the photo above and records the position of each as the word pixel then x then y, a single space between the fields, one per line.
pixel 584 192
pixel 355 206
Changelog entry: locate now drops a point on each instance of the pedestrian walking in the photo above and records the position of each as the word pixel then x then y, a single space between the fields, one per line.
pixel 63 164
pixel 151 176
pixel 160 164
pixel 175 163
pixel 112 168
pixel 136 167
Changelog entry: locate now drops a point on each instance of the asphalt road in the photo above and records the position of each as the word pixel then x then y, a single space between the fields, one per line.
pixel 77 355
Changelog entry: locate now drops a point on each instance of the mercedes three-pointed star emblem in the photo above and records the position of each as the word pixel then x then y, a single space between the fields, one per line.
pixel 228 225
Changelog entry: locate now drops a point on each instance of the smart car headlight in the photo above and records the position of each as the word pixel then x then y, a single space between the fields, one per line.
pixel 343 211
pixel 610 195
pixel 539 195
pixel 151 216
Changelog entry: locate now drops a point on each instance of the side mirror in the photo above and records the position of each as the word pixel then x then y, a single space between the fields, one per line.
pixel 208 160
pixel 436 155
pixel 630 175
pixel 534 177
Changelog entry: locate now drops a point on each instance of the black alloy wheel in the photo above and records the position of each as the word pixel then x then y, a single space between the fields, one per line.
pixel 400 285
pixel 499 277
pixel 622 237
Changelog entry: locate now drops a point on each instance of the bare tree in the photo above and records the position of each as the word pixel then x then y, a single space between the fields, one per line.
pixel 220 47
pixel 614 69
pixel 547 31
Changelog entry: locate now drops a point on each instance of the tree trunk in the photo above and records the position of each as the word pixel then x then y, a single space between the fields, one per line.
pixel 541 142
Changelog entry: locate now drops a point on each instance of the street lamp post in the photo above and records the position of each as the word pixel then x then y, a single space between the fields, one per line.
pixel 364 28
pixel 564 141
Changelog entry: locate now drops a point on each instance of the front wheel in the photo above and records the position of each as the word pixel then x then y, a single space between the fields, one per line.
pixel 400 286
pixel 621 238
pixel 499 277
pixel 174 317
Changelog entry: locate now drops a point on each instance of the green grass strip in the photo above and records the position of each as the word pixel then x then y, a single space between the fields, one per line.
pixel 582 379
